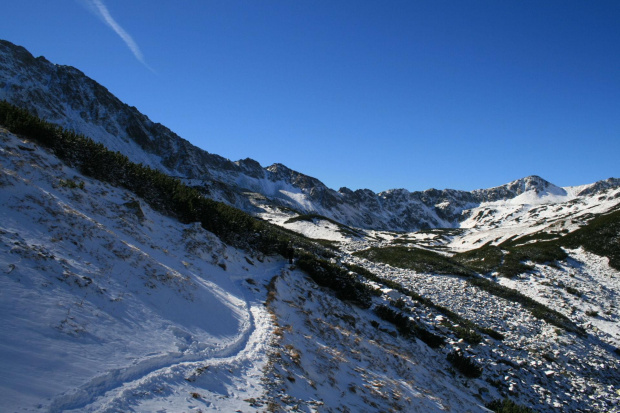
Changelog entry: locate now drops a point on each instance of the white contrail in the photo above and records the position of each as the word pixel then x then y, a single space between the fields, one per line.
pixel 126 37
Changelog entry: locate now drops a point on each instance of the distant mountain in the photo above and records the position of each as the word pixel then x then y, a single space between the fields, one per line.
pixel 64 95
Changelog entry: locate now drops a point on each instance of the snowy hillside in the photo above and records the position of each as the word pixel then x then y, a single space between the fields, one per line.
pixel 110 306
pixel 400 301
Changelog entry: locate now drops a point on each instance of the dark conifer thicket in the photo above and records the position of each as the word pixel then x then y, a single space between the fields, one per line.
pixel 170 196
pixel 163 193
pixel 408 327
pixel 507 406
pixel 466 365
pixel 326 274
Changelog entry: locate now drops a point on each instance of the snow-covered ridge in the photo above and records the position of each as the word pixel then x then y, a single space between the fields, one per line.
pixel 64 95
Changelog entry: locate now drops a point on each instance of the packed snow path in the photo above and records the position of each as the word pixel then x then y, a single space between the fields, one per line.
pixel 221 381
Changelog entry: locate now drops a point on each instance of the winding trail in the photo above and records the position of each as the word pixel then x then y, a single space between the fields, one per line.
pixel 239 365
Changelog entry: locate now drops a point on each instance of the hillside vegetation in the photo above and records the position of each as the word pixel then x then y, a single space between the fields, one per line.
pixel 170 196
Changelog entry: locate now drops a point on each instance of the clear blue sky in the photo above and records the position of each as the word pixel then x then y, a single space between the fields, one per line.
pixel 364 94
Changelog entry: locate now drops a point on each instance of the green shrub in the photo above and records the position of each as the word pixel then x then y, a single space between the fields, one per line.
pixel 466 365
pixel 482 260
pixel 407 327
pixel 492 333
pixel 71 184
pixel 600 236
pixel 329 275
pixel 507 406
pixel 430 339
pixel 415 259
pixel 467 334
pixel 541 252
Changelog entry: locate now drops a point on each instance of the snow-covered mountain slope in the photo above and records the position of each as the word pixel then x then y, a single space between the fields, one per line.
pixel 554 212
pixel 558 212
pixel 64 95
pixel 109 306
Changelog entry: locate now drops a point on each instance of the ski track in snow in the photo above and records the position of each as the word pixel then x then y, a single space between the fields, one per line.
pixel 140 374
pixel 117 389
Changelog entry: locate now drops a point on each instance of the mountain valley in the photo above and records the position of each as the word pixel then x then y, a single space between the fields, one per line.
pixel 141 273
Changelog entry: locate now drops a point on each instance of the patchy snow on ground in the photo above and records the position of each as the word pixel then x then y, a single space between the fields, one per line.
pixel 585 288
pixel 315 228
pixel 529 213
pixel 536 364
pixel 332 358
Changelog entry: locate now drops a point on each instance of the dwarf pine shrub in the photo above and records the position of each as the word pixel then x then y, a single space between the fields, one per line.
pixel 465 365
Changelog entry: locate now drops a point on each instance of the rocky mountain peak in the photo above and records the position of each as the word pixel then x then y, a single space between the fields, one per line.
pixel 279 169
pixel 304 182
pixel 11 52
pixel 515 188
pixel 600 186
pixel 251 167
pixel 532 183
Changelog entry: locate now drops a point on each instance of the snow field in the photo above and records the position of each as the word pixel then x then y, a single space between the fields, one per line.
pixel 109 306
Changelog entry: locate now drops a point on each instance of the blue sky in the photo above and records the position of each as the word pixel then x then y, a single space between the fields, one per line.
pixel 364 94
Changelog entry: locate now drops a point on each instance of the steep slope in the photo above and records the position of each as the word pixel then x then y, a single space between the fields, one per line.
pixel 110 306
pixel 64 95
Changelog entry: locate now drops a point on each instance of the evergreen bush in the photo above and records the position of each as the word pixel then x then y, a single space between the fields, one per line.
pixel 466 365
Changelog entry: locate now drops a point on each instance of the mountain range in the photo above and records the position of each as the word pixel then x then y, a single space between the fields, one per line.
pixel 64 95
pixel 261 289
